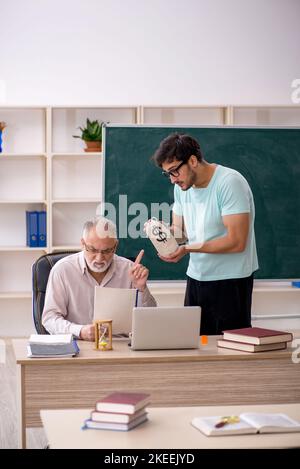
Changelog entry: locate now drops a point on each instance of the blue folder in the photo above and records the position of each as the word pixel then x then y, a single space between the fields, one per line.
pixel 32 229
pixel 42 229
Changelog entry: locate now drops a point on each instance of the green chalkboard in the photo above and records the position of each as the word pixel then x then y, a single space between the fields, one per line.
pixel 269 158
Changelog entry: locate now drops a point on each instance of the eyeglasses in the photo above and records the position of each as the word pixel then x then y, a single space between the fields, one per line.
pixel 104 252
pixel 174 172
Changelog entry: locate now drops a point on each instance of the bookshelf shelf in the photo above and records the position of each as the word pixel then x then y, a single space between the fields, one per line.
pixel 15 295
pixel 265 115
pixel 78 155
pixel 22 248
pixel 185 115
pixel 66 248
pixel 5 156
pixel 22 202
pixel 76 201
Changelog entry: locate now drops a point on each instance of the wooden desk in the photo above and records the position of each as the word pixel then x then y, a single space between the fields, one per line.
pixel 167 428
pixel 207 376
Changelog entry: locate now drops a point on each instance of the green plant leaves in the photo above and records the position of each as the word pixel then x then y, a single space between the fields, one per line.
pixel 92 132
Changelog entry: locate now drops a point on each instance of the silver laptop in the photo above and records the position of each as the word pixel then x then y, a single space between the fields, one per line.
pixel 165 327
pixel 115 304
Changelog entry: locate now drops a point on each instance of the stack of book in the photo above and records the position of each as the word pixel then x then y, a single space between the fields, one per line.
pixel 56 345
pixel 119 411
pixel 255 339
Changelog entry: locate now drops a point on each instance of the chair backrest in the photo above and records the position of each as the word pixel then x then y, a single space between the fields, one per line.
pixel 40 274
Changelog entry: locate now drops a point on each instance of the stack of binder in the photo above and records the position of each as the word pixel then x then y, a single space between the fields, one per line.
pixel 36 229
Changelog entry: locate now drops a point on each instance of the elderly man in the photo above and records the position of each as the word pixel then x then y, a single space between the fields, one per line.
pixel 69 301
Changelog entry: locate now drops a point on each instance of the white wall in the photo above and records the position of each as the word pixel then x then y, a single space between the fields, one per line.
pixel 149 51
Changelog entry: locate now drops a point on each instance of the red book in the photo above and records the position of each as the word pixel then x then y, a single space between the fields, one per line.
pixel 257 335
pixel 123 402
pixel 230 344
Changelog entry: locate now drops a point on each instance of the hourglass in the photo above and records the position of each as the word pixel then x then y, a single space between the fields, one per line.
pixel 103 334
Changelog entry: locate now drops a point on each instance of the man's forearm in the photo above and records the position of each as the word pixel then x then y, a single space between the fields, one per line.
pixel 221 245
pixel 147 299
pixel 54 323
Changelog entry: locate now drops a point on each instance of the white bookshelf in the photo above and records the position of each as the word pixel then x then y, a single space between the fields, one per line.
pixel 75 176
pixel 184 115
pixel 25 132
pixel 264 115
pixel 68 219
pixel 43 167
pixel 66 120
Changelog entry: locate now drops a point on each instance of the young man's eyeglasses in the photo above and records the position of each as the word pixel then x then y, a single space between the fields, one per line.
pixel 104 252
pixel 174 172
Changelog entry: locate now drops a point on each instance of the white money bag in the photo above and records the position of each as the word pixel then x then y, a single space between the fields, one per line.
pixel 161 237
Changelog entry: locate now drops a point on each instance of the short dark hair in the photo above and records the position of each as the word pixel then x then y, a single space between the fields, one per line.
pixel 177 147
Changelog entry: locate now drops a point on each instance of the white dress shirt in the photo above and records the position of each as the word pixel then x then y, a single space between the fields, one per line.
pixel 69 301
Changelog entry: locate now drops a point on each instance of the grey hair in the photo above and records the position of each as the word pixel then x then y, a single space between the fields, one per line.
pixel 105 228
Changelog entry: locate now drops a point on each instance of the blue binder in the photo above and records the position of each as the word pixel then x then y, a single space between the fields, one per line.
pixel 32 229
pixel 42 229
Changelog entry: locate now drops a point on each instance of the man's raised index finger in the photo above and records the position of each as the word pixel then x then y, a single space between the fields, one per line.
pixel 139 257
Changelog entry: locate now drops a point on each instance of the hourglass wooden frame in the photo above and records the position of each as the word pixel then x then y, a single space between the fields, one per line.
pixel 103 340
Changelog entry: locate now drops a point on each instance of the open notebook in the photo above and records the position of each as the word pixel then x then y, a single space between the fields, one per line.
pixel 248 423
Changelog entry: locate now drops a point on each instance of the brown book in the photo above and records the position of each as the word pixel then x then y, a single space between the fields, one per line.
pixel 123 402
pixel 257 335
pixel 250 347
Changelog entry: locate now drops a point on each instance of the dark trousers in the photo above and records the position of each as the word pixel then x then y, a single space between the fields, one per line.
pixel 225 304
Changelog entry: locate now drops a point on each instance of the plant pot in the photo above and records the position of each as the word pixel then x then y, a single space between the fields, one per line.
pixel 93 146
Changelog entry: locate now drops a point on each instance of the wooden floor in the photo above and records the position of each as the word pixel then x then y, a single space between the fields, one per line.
pixel 36 438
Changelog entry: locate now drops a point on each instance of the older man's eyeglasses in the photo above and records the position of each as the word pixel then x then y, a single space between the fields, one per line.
pixel 174 172
pixel 104 252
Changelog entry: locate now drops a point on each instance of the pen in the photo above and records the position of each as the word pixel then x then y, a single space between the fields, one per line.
pixel 226 420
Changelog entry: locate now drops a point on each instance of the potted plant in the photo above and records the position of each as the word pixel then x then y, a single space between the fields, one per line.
pixel 92 135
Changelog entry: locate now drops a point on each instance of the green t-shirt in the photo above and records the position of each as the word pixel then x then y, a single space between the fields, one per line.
pixel 227 193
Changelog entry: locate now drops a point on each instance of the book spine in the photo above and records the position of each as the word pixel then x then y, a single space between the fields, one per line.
pixel 32 229
pixel 42 229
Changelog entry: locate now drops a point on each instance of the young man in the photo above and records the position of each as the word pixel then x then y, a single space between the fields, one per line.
pixel 214 211
pixel 69 301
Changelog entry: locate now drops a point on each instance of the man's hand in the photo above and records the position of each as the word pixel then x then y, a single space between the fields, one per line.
pixel 138 273
pixel 176 256
pixel 88 332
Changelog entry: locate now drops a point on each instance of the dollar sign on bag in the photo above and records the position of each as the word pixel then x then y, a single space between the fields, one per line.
pixel 159 234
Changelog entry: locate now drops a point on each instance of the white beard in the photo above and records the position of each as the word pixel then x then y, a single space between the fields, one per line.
pixel 99 267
